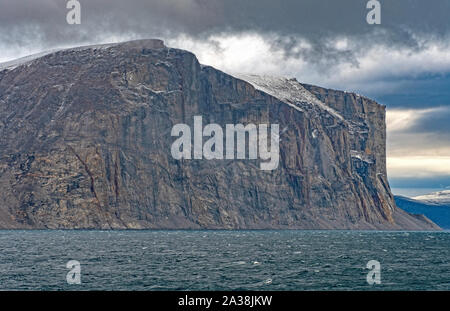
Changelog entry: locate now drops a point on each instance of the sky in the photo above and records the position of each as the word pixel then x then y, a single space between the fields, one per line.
pixel 403 63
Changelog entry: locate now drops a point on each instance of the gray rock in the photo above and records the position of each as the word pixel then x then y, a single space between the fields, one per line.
pixel 85 143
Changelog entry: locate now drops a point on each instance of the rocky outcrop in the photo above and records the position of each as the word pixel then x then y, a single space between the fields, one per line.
pixel 86 137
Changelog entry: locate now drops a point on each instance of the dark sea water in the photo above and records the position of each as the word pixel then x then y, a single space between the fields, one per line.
pixel 224 260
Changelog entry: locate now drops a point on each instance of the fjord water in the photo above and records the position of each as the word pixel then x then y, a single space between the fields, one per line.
pixel 224 260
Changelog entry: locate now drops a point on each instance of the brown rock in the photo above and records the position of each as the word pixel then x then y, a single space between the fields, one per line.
pixel 85 143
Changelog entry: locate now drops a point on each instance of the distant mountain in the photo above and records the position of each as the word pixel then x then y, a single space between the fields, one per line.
pixel 440 197
pixel 439 213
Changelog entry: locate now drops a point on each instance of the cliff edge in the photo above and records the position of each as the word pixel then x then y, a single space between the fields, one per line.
pixel 86 143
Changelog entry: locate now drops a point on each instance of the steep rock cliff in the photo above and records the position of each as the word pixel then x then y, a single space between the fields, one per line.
pixel 86 137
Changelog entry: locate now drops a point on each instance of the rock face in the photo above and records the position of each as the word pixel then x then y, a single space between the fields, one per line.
pixel 86 137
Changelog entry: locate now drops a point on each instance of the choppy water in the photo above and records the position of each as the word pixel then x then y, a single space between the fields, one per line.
pixel 224 260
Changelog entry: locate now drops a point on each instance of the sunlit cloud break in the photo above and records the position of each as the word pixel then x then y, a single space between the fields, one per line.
pixel 414 148
pixel 418 166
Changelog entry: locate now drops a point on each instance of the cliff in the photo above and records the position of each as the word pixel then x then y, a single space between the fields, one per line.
pixel 86 143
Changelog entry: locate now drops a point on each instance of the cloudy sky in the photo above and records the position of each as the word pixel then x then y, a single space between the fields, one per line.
pixel 404 63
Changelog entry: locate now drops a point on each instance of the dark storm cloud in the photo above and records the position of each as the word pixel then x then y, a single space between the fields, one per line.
pixel 436 122
pixel 106 16
pixel 418 92
pixel 402 21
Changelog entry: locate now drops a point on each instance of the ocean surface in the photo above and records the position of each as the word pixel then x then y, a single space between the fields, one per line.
pixel 224 260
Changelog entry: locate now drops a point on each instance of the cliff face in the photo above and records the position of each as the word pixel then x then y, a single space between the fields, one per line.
pixel 86 143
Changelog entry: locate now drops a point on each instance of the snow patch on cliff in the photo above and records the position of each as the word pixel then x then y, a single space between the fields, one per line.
pixel 10 65
pixel 287 90
pixel 361 156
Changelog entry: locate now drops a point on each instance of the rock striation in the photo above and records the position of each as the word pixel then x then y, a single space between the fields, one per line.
pixel 86 137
